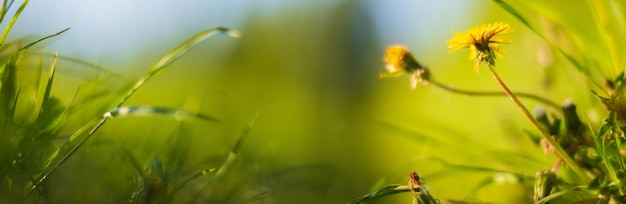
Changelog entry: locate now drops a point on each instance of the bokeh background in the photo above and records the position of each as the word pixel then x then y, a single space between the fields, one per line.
pixel 328 129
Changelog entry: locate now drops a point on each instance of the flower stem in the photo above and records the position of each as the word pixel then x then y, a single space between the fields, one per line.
pixel 496 93
pixel 558 149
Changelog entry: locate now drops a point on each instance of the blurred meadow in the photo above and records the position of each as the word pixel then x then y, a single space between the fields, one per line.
pixel 292 111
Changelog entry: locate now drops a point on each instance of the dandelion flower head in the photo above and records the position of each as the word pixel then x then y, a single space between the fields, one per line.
pixel 398 61
pixel 483 41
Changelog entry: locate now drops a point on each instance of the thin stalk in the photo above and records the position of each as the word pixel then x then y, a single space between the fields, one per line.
pixel 495 93
pixel 558 149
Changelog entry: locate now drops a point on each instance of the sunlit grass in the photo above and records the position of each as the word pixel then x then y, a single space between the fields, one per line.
pixel 590 156
pixel 35 122
pixel 90 132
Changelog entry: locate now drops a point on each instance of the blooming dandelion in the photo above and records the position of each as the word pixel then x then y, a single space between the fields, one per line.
pixel 483 41
pixel 398 61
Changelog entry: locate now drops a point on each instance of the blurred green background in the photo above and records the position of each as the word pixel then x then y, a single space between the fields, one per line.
pixel 328 129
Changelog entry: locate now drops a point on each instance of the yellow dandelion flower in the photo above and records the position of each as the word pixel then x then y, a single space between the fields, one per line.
pixel 483 41
pixel 398 61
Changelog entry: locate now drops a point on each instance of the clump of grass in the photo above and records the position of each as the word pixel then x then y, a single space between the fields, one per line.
pixel 121 111
pixel 154 171
pixel 591 161
pixel 32 119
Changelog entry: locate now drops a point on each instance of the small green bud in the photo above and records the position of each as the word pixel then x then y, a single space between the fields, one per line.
pixel 572 122
pixel 545 181
pixel 544 121
pixel 540 116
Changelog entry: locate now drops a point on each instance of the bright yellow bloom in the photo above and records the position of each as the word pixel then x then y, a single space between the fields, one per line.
pixel 483 41
pixel 398 61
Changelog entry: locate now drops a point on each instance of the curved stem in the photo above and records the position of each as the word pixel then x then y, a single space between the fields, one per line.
pixel 496 93
pixel 558 149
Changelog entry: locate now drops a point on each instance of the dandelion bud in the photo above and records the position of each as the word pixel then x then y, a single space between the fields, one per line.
pixel 398 61
pixel 572 122
pixel 540 116
pixel 544 121
pixel 545 180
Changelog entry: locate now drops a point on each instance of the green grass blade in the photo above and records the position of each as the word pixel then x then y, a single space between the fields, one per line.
pixel 560 193
pixel 233 153
pixel 604 154
pixel 96 67
pixel 44 38
pixel 145 110
pixel 39 74
pixel 601 146
pixel 8 91
pixel 176 53
pixel 470 168
pixel 607 20
pixel 8 28
pixel 46 95
pixel 14 104
pixel 384 191
pixel 244 133
pixel 192 177
pixel 5 8
pixel 56 113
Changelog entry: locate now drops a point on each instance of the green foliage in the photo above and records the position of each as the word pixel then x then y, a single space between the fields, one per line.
pixel 597 148
pixel 33 126
pixel 53 141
